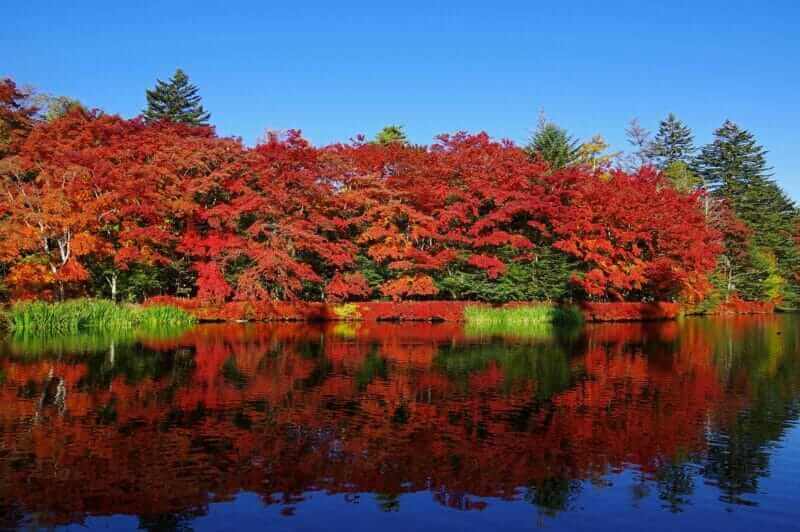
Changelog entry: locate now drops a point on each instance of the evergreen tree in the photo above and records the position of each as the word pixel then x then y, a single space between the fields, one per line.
pixel 391 134
pixel 734 166
pixel 176 100
pixel 673 142
pixel 732 163
pixel 553 145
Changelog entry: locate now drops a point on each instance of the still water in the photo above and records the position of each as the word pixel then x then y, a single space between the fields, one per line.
pixel 690 425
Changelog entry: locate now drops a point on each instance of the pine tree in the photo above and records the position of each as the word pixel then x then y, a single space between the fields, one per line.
pixel 674 142
pixel 176 100
pixel 732 163
pixel 553 145
pixel 734 166
pixel 391 134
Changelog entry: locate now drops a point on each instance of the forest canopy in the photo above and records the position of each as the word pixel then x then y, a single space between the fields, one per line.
pixel 95 204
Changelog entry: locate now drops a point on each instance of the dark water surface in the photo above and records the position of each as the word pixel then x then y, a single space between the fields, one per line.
pixel 690 425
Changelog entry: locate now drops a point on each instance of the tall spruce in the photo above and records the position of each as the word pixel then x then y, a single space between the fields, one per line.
pixel 735 168
pixel 175 100
pixel 554 145
pixel 732 163
pixel 673 143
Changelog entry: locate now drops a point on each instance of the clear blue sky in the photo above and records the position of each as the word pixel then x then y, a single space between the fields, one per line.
pixel 336 69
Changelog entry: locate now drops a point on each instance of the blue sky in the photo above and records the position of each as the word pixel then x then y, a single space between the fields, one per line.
pixel 338 69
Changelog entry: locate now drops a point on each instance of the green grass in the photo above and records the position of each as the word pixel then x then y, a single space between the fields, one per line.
pixel 518 321
pixel 80 315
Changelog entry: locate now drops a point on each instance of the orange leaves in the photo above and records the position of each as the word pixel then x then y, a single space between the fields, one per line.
pixel 85 243
pixel 16 118
pixel 29 278
pixel 72 271
pixel 409 286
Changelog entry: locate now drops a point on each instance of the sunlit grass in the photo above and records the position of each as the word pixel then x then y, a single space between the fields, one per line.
pixel 527 321
pixel 80 315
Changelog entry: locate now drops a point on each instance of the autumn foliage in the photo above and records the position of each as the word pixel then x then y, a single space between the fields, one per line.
pixel 92 202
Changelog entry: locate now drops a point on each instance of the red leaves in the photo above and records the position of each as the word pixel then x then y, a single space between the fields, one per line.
pixel 286 219
pixel 629 311
pixel 346 286
pixel 494 267
pixel 635 234
pixel 212 286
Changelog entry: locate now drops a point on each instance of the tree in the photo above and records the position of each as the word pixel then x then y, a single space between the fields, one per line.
pixel 269 221
pixel 673 142
pixel 554 145
pixel 391 134
pixel 732 162
pixel 639 138
pixel 54 107
pixel 683 178
pixel 54 209
pixel 592 154
pixel 16 116
pixel 734 165
pixel 631 244
pixel 176 100
pixel 95 204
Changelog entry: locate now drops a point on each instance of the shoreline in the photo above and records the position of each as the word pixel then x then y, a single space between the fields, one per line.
pixel 434 311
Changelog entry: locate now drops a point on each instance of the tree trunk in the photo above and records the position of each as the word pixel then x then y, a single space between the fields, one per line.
pixel 112 283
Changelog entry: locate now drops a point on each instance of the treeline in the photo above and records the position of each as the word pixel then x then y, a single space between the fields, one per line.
pixel 93 204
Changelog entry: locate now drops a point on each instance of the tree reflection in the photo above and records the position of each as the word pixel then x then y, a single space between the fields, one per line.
pixel 162 427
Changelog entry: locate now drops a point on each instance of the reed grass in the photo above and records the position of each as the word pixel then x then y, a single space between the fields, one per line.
pixel 534 321
pixel 80 315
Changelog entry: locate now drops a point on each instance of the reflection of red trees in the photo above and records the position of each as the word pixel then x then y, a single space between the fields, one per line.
pixel 280 410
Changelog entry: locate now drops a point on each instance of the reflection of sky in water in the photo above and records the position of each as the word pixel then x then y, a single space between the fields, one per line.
pixel 613 427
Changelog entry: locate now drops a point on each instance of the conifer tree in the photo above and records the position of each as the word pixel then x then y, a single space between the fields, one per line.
pixel 734 166
pixel 553 145
pixel 391 134
pixel 674 142
pixel 176 100
pixel 732 162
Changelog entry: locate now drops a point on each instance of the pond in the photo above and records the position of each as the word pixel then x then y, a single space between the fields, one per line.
pixel 690 424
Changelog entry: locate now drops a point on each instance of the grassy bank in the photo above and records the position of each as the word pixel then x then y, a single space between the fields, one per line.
pixel 80 315
pixel 519 319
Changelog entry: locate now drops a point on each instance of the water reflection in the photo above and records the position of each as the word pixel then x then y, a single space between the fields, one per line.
pixel 163 428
